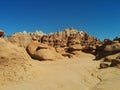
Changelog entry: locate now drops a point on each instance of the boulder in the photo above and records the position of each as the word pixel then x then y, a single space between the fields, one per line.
pixel 117 39
pixel 76 52
pixel 61 50
pixel 112 48
pixel 76 47
pixel 41 51
pixel 68 55
pixel 115 62
pixel 103 65
pixel 48 54
pixel 109 58
pixel 2 33
pixel 91 49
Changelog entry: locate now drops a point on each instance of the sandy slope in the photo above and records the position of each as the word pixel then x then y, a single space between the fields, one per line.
pixel 77 74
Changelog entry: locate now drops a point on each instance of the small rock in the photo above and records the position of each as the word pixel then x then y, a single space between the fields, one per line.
pixel 103 65
pixel 115 62
pixel 2 33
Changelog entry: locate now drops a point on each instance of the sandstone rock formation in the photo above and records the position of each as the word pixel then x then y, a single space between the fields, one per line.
pixel 109 58
pixel 115 62
pixel 65 42
pixel 103 65
pixel 14 63
pixel 72 39
pixel 113 59
pixel 42 51
pixel 109 51
pixel 22 39
pixel 2 33
pixel 108 48
pixel 117 39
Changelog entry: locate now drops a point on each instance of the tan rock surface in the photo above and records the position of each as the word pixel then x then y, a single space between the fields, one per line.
pixel 2 33
pixel 112 57
pixel 14 63
pixel 42 52
pixel 20 39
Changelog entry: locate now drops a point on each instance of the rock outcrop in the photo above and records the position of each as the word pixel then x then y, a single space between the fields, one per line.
pixel 69 37
pixel 66 43
pixel 14 63
pixel 108 48
pixel 115 62
pixel 42 51
pixel 73 40
pixel 22 39
pixel 109 52
pixel 103 65
pixel 2 33
pixel 117 39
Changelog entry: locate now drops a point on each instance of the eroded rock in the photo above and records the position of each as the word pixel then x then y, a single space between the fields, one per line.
pixel 42 51
pixel 2 34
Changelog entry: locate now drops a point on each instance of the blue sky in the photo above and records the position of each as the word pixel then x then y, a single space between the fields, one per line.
pixel 100 18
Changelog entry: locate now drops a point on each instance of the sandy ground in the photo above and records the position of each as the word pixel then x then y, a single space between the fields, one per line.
pixel 77 74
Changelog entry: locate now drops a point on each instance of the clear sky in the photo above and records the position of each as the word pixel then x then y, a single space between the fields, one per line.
pixel 100 18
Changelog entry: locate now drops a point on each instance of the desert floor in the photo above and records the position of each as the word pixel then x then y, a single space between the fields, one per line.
pixel 80 73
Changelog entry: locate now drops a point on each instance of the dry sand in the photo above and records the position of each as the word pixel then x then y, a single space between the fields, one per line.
pixel 77 74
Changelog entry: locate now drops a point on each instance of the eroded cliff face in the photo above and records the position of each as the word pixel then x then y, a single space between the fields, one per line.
pixel 69 37
pixel 65 39
pixel 68 43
